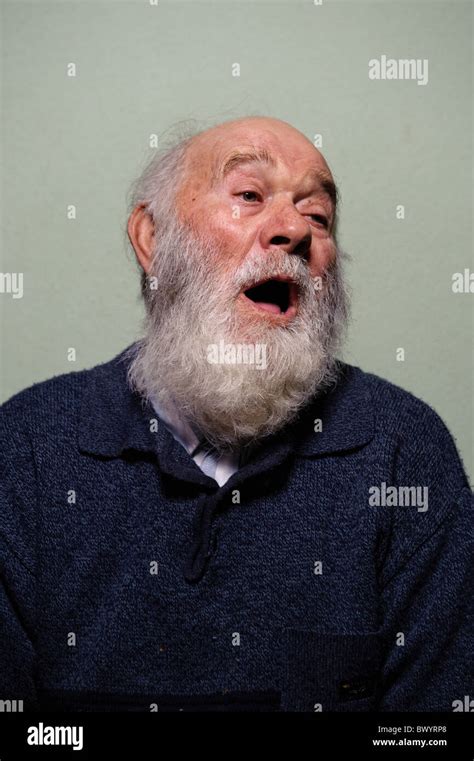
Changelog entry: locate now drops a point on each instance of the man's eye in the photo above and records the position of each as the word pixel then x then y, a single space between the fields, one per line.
pixel 246 193
pixel 321 219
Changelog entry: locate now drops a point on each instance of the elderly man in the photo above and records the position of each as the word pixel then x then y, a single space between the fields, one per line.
pixel 226 516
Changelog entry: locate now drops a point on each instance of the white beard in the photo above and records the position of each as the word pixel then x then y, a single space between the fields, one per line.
pixel 193 306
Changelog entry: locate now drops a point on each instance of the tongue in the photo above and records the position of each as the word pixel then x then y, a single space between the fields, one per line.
pixel 268 307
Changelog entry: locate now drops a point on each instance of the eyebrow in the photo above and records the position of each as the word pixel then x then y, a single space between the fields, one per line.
pixel 325 181
pixel 237 158
pixel 317 176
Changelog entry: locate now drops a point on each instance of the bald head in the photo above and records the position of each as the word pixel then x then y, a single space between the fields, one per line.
pixel 255 130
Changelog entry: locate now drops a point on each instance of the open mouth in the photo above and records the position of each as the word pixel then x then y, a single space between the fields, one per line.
pixel 276 296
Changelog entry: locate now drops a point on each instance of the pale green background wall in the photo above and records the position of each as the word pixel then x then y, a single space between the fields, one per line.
pixel 141 68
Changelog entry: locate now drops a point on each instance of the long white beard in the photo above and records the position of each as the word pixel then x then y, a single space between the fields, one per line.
pixel 193 307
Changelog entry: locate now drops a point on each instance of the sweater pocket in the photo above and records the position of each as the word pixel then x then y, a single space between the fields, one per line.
pixel 330 672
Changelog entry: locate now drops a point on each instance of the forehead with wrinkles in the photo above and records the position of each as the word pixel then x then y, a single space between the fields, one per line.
pixel 287 149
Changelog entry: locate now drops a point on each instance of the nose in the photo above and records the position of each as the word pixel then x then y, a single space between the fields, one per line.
pixel 287 229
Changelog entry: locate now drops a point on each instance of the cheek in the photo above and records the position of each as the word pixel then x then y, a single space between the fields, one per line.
pixel 323 256
pixel 230 240
pixel 210 223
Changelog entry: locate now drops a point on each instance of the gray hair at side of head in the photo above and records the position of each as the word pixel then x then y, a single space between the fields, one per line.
pixel 157 185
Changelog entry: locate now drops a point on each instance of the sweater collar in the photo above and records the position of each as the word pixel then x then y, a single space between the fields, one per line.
pixel 114 419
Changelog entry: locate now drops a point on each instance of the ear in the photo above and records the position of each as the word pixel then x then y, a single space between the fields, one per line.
pixel 141 232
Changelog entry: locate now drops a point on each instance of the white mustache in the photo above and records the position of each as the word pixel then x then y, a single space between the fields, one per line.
pixel 272 265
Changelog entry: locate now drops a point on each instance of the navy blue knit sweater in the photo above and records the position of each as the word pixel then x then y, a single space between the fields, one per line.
pixel 131 581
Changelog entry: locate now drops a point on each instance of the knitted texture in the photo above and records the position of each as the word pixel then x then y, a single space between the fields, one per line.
pixel 131 580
